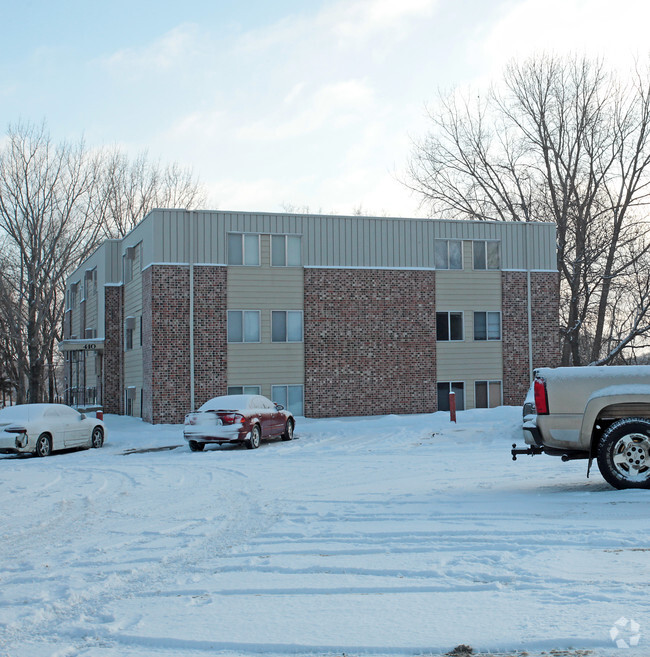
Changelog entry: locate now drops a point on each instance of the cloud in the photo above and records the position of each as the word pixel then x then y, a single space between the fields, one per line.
pixel 200 125
pixel 171 50
pixel 351 23
pixel 591 27
pixel 368 19
pixel 332 106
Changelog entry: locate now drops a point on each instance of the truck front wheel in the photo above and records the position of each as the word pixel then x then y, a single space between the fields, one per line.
pixel 624 453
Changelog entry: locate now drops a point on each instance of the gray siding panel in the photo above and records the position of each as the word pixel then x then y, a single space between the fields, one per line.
pixel 176 236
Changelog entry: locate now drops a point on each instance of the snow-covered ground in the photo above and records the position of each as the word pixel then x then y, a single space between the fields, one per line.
pixel 383 536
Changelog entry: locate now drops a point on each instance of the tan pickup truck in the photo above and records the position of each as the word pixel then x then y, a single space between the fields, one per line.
pixel 592 412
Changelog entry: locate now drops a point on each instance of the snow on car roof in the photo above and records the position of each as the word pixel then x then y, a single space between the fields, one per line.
pixel 230 403
pixel 24 411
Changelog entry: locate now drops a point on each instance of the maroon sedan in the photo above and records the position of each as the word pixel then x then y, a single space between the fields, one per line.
pixel 237 419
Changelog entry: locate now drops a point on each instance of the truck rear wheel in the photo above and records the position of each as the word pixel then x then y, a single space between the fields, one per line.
pixel 624 453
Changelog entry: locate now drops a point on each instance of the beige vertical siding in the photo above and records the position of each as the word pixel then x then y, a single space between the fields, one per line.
pixel 468 291
pixel 133 364
pixel 265 288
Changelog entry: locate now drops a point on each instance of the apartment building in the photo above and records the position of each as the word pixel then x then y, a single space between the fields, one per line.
pixel 328 315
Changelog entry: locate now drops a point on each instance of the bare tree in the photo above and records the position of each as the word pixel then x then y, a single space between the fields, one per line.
pixel 47 195
pixel 57 202
pixel 131 189
pixel 561 140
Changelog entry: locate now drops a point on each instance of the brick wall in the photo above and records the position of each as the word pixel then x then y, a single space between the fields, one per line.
pixel 545 312
pixel 113 350
pixel 210 333
pixel 369 342
pixel 147 351
pixel 545 329
pixel 166 357
pixel 166 339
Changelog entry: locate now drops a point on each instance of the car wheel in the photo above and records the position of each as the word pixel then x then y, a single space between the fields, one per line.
pixel 624 453
pixel 43 445
pixel 196 447
pixel 254 441
pixel 97 438
pixel 288 432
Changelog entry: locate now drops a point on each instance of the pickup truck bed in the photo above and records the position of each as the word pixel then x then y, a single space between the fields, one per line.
pixel 592 412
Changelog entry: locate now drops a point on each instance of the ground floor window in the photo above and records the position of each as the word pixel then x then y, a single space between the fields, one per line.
pixel 487 394
pixel 244 390
pixel 444 388
pixel 290 396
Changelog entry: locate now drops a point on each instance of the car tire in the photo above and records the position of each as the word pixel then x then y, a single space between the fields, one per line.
pixel 254 441
pixel 44 445
pixel 97 438
pixel 195 446
pixel 624 453
pixel 288 431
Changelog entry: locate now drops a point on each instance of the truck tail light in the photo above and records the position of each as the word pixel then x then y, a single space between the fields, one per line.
pixel 541 399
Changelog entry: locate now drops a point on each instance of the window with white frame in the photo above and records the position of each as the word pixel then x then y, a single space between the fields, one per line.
pixel 244 249
pixel 289 396
pixel 129 330
pixel 487 254
pixel 243 326
pixel 487 326
pixel 72 295
pixel 127 264
pixel 487 394
pixel 449 326
pixel 444 388
pixel 244 390
pixel 285 251
pixel 448 254
pixel 286 326
pixel 90 282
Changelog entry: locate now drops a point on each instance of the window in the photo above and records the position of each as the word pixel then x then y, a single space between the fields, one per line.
pixel 444 388
pixel 285 251
pixel 129 328
pixel 487 394
pixel 127 263
pixel 243 249
pixel 286 326
pixel 449 326
pixel 243 326
pixel 91 334
pixel 72 295
pixel 244 390
pixel 291 397
pixel 90 282
pixel 487 326
pixel 486 254
pixel 448 254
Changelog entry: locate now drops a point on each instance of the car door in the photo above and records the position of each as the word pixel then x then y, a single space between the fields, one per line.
pixel 53 423
pixel 276 419
pixel 76 430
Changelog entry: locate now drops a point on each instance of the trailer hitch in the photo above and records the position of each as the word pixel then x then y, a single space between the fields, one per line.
pixel 531 451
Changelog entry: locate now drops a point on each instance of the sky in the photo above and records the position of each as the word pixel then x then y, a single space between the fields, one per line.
pixel 311 105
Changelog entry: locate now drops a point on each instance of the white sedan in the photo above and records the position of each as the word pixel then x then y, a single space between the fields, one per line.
pixel 43 428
